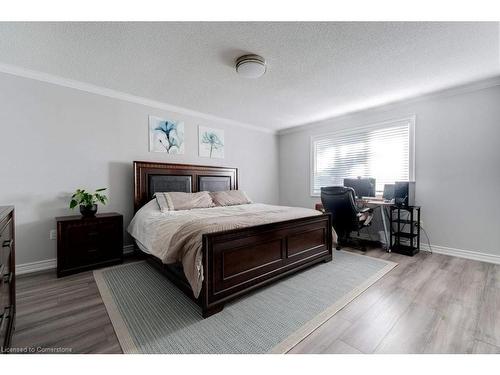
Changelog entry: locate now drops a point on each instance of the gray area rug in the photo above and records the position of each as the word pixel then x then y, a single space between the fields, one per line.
pixel 150 315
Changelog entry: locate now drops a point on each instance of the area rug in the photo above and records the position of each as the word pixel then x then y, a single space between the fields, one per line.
pixel 151 315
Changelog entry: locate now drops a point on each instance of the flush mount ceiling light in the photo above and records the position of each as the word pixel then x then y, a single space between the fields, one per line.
pixel 251 66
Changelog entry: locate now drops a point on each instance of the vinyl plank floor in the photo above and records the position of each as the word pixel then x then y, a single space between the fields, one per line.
pixel 480 347
pixel 454 330
pixel 340 347
pixel 411 332
pixel 429 303
pixel 488 328
pixel 321 339
pixel 369 330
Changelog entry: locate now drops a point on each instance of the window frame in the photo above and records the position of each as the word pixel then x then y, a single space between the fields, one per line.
pixel 411 119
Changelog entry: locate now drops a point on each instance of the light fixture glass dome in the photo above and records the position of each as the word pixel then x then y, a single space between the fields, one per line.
pixel 251 66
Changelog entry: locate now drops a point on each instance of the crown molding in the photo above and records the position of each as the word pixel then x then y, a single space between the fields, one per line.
pixel 114 94
pixel 450 91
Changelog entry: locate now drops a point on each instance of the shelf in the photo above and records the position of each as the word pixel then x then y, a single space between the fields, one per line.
pixel 404 249
pixel 405 235
pixel 403 221
pixel 406 208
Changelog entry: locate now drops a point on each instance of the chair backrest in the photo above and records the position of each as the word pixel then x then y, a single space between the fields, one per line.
pixel 340 202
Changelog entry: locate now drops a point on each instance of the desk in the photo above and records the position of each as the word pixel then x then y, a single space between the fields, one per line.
pixel 373 203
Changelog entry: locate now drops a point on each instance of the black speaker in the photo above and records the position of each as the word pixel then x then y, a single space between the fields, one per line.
pixel 404 193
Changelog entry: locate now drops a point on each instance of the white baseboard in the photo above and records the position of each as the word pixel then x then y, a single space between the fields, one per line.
pixel 467 254
pixel 43 265
pixel 127 249
pixel 49 264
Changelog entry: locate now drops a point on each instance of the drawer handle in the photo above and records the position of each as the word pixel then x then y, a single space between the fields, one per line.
pixel 92 234
pixel 4 317
pixel 8 278
pixel 8 243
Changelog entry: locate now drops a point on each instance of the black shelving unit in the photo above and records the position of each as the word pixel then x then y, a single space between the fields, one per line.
pixel 405 229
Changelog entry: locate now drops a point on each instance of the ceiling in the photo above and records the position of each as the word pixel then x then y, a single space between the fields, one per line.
pixel 315 70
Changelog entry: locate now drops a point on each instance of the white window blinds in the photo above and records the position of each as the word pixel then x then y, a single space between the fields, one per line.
pixel 382 151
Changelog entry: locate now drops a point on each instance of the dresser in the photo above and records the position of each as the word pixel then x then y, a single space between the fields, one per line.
pixel 7 277
pixel 85 243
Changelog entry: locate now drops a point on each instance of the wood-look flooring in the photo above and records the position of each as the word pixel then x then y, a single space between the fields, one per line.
pixel 429 303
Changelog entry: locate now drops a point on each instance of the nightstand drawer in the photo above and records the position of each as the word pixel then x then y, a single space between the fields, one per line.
pixel 85 243
pixel 92 242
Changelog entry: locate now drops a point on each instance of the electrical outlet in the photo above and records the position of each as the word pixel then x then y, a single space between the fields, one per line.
pixel 52 234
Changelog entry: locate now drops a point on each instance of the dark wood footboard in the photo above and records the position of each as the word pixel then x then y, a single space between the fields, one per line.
pixel 240 260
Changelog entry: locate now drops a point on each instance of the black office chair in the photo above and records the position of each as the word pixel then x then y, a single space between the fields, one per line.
pixel 346 216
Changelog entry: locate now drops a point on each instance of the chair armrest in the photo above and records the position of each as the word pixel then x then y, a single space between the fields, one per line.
pixel 366 209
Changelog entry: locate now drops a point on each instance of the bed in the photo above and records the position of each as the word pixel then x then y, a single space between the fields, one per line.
pixel 233 261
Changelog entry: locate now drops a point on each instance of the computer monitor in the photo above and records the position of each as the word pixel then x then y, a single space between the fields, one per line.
pixel 388 192
pixel 363 187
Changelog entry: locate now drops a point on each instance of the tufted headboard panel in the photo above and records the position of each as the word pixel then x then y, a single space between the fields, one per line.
pixel 151 177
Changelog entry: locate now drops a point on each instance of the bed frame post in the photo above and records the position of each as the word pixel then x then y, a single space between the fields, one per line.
pixel 209 311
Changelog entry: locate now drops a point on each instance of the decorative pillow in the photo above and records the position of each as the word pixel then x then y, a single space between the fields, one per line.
pixel 176 201
pixel 230 197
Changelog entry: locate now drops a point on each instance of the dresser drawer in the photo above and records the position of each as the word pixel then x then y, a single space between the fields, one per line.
pixel 5 297
pixel 7 277
pixel 6 244
pixel 5 322
pixel 5 254
pixel 5 225
pixel 6 231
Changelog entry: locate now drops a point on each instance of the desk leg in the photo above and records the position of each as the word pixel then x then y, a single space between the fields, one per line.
pixel 386 228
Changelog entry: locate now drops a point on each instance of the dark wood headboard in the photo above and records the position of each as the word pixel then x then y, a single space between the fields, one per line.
pixel 151 177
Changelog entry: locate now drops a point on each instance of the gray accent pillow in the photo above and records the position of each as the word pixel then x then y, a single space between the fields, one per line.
pixel 230 197
pixel 176 201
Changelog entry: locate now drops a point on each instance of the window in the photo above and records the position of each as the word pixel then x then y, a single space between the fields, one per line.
pixel 383 151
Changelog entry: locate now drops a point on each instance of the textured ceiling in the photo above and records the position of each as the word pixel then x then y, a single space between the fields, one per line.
pixel 315 70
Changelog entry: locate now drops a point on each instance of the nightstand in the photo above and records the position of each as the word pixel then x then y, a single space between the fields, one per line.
pixel 84 243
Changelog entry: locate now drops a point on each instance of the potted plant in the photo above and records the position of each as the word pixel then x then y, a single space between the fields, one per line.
pixel 87 201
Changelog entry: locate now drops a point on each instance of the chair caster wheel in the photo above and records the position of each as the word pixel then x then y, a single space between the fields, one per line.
pixel 338 247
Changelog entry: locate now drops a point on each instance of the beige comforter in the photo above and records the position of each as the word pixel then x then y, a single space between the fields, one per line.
pixel 177 236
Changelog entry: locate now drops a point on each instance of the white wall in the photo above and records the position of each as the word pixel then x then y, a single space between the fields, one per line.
pixel 55 139
pixel 457 165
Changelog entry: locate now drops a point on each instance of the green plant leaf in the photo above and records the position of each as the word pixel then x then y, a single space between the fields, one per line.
pixel 87 199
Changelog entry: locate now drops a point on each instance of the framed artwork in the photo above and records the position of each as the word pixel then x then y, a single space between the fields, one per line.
pixel 166 136
pixel 210 142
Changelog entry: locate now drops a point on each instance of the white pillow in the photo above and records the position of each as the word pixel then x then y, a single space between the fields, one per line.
pixel 230 197
pixel 176 201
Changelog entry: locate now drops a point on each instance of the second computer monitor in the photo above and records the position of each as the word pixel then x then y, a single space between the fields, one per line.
pixel 363 187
